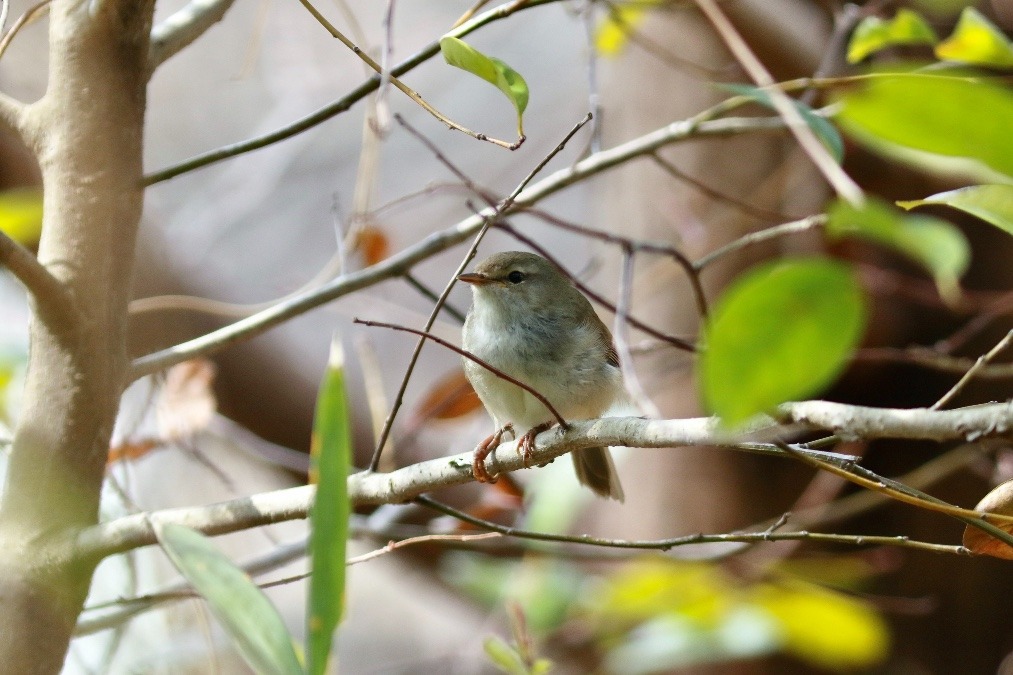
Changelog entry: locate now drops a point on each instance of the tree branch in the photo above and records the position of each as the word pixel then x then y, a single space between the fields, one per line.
pixel 47 291
pixel 134 531
pixel 183 27
pixel 399 264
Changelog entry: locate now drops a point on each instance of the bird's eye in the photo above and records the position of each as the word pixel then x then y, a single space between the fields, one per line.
pixel 515 277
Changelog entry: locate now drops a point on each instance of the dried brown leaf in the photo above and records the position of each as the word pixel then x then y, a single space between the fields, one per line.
pixel 999 500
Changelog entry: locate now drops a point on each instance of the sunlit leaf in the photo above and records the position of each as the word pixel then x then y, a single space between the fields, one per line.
pixel 256 627
pixel 825 628
pixel 330 458
pixel 21 215
pixel 978 41
pixel 999 500
pixel 935 244
pixel 991 203
pixel 781 332
pixel 461 55
pixel 873 34
pixel 612 34
pixel 824 130
pixel 942 124
pixel 503 656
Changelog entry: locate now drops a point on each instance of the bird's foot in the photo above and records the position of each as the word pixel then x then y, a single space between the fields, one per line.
pixel 482 451
pixel 526 444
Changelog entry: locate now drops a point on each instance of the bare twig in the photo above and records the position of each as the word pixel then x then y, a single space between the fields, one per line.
pixel 973 371
pixel 31 15
pixel 471 357
pixel 408 91
pixel 840 181
pixel 688 540
pixel 622 342
pixel 803 225
pixel 930 358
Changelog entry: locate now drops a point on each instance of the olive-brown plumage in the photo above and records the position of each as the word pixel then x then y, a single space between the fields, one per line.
pixel 528 320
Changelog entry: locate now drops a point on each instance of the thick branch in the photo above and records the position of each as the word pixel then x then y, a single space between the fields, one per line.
pixel 398 486
pixel 398 265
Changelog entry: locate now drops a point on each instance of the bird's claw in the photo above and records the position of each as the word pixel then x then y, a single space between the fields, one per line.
pixel 526 444
pixel 478 469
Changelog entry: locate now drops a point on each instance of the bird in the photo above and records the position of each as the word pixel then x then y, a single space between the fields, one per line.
pixel 528 320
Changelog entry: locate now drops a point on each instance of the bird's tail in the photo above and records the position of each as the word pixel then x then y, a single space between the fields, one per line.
pixel 596 470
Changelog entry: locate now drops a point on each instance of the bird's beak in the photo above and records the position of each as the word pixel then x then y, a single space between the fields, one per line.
pixel 474 278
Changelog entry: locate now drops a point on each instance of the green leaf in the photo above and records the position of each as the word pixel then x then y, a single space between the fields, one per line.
pixel 460 54
pixel 991 203
pixel 947 124
pixel 977 40
pixel 873 34
pixel 824 130
pixel 330 458
pixel 256 627
pixel 781 332
pixel 503 656
pixel 21 215
pixel 935 244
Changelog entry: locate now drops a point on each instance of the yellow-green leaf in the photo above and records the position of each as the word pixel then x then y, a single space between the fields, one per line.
pixel 991 203
pixel 937 245
pixel 977 40
pixel 330 458
pixel 460 54
pixel 613 32
pixel 21 215
pixel 781 332
pixel 825 628
pixel 249 617
pixel 952 125
pixel 872 34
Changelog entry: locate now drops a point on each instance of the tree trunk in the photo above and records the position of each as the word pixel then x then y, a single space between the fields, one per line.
pixel 87 135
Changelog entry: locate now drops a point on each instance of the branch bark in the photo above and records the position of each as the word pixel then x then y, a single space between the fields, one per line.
pixel 134 531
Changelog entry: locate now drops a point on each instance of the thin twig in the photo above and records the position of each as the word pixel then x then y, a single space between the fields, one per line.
pixel 471 357
pixel 843 185
pixel 748 209
pixel 687 540
pixel 794 227
pixel 930 358
pixel 408 91
pixel 30 16
pixel 973 371
pixel 622 342
pixel 430 294
pixel 183 27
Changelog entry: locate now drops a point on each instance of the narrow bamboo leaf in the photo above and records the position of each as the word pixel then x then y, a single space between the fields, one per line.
pixel 991 203
pixel 256 627
pixel 330 458
pixel 872 34
pixel 21 215
pixel 977 40
pixel 462 55
pixel 951 125
pixel 782 331
pixel 824 130
pixel 935 244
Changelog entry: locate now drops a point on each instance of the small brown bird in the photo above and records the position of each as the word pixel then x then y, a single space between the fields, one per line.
pixel 528 320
